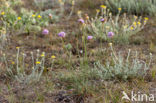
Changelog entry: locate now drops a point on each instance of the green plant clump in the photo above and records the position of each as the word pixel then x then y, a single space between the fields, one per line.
pixel 138 7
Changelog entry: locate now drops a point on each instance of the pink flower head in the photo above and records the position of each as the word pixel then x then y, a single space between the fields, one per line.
pixel 62 34
pixel 102 20
pixel 45 32
pixel 81 21
pixel 110 34
pixel 90 37
pixel 50 16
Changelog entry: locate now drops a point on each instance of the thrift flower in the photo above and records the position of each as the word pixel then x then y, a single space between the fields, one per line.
pixel 50 16
pixel 102 20
pixel 110 34
pixel 45 32
pixel 62 34
pixel 81 21
pixel 81 51
pixel 90 37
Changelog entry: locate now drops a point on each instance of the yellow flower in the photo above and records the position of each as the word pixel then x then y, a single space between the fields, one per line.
pixel 43 54
pixel 125 26
pixel 107 27
pixel 23 54
pixel 146 18
pixel 131 28
pixel 53 56
pixel 12 62
pixel 38 62
pixel 135 17
pixel 3 31
pixel 135 24
pixel 39 16
pixel 103 6
pixel 2 13
pixel 79 12
pixel 110 14
pixel 145 21
pixel 73 2
pixel 60 1
pixel 84 25
pixel 17 47
pixel 110 44
pixel 87 17
pixel 7 4
pixel 139 23
pixel 119 9
pixel 97 10
pixel 33 15
pixel 19 18
pixel 93 51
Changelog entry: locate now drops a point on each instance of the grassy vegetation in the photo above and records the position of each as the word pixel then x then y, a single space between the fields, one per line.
pixel 76 51
pixel 138 7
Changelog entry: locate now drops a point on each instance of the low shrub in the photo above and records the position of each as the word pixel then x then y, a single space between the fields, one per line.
pixel 115 29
